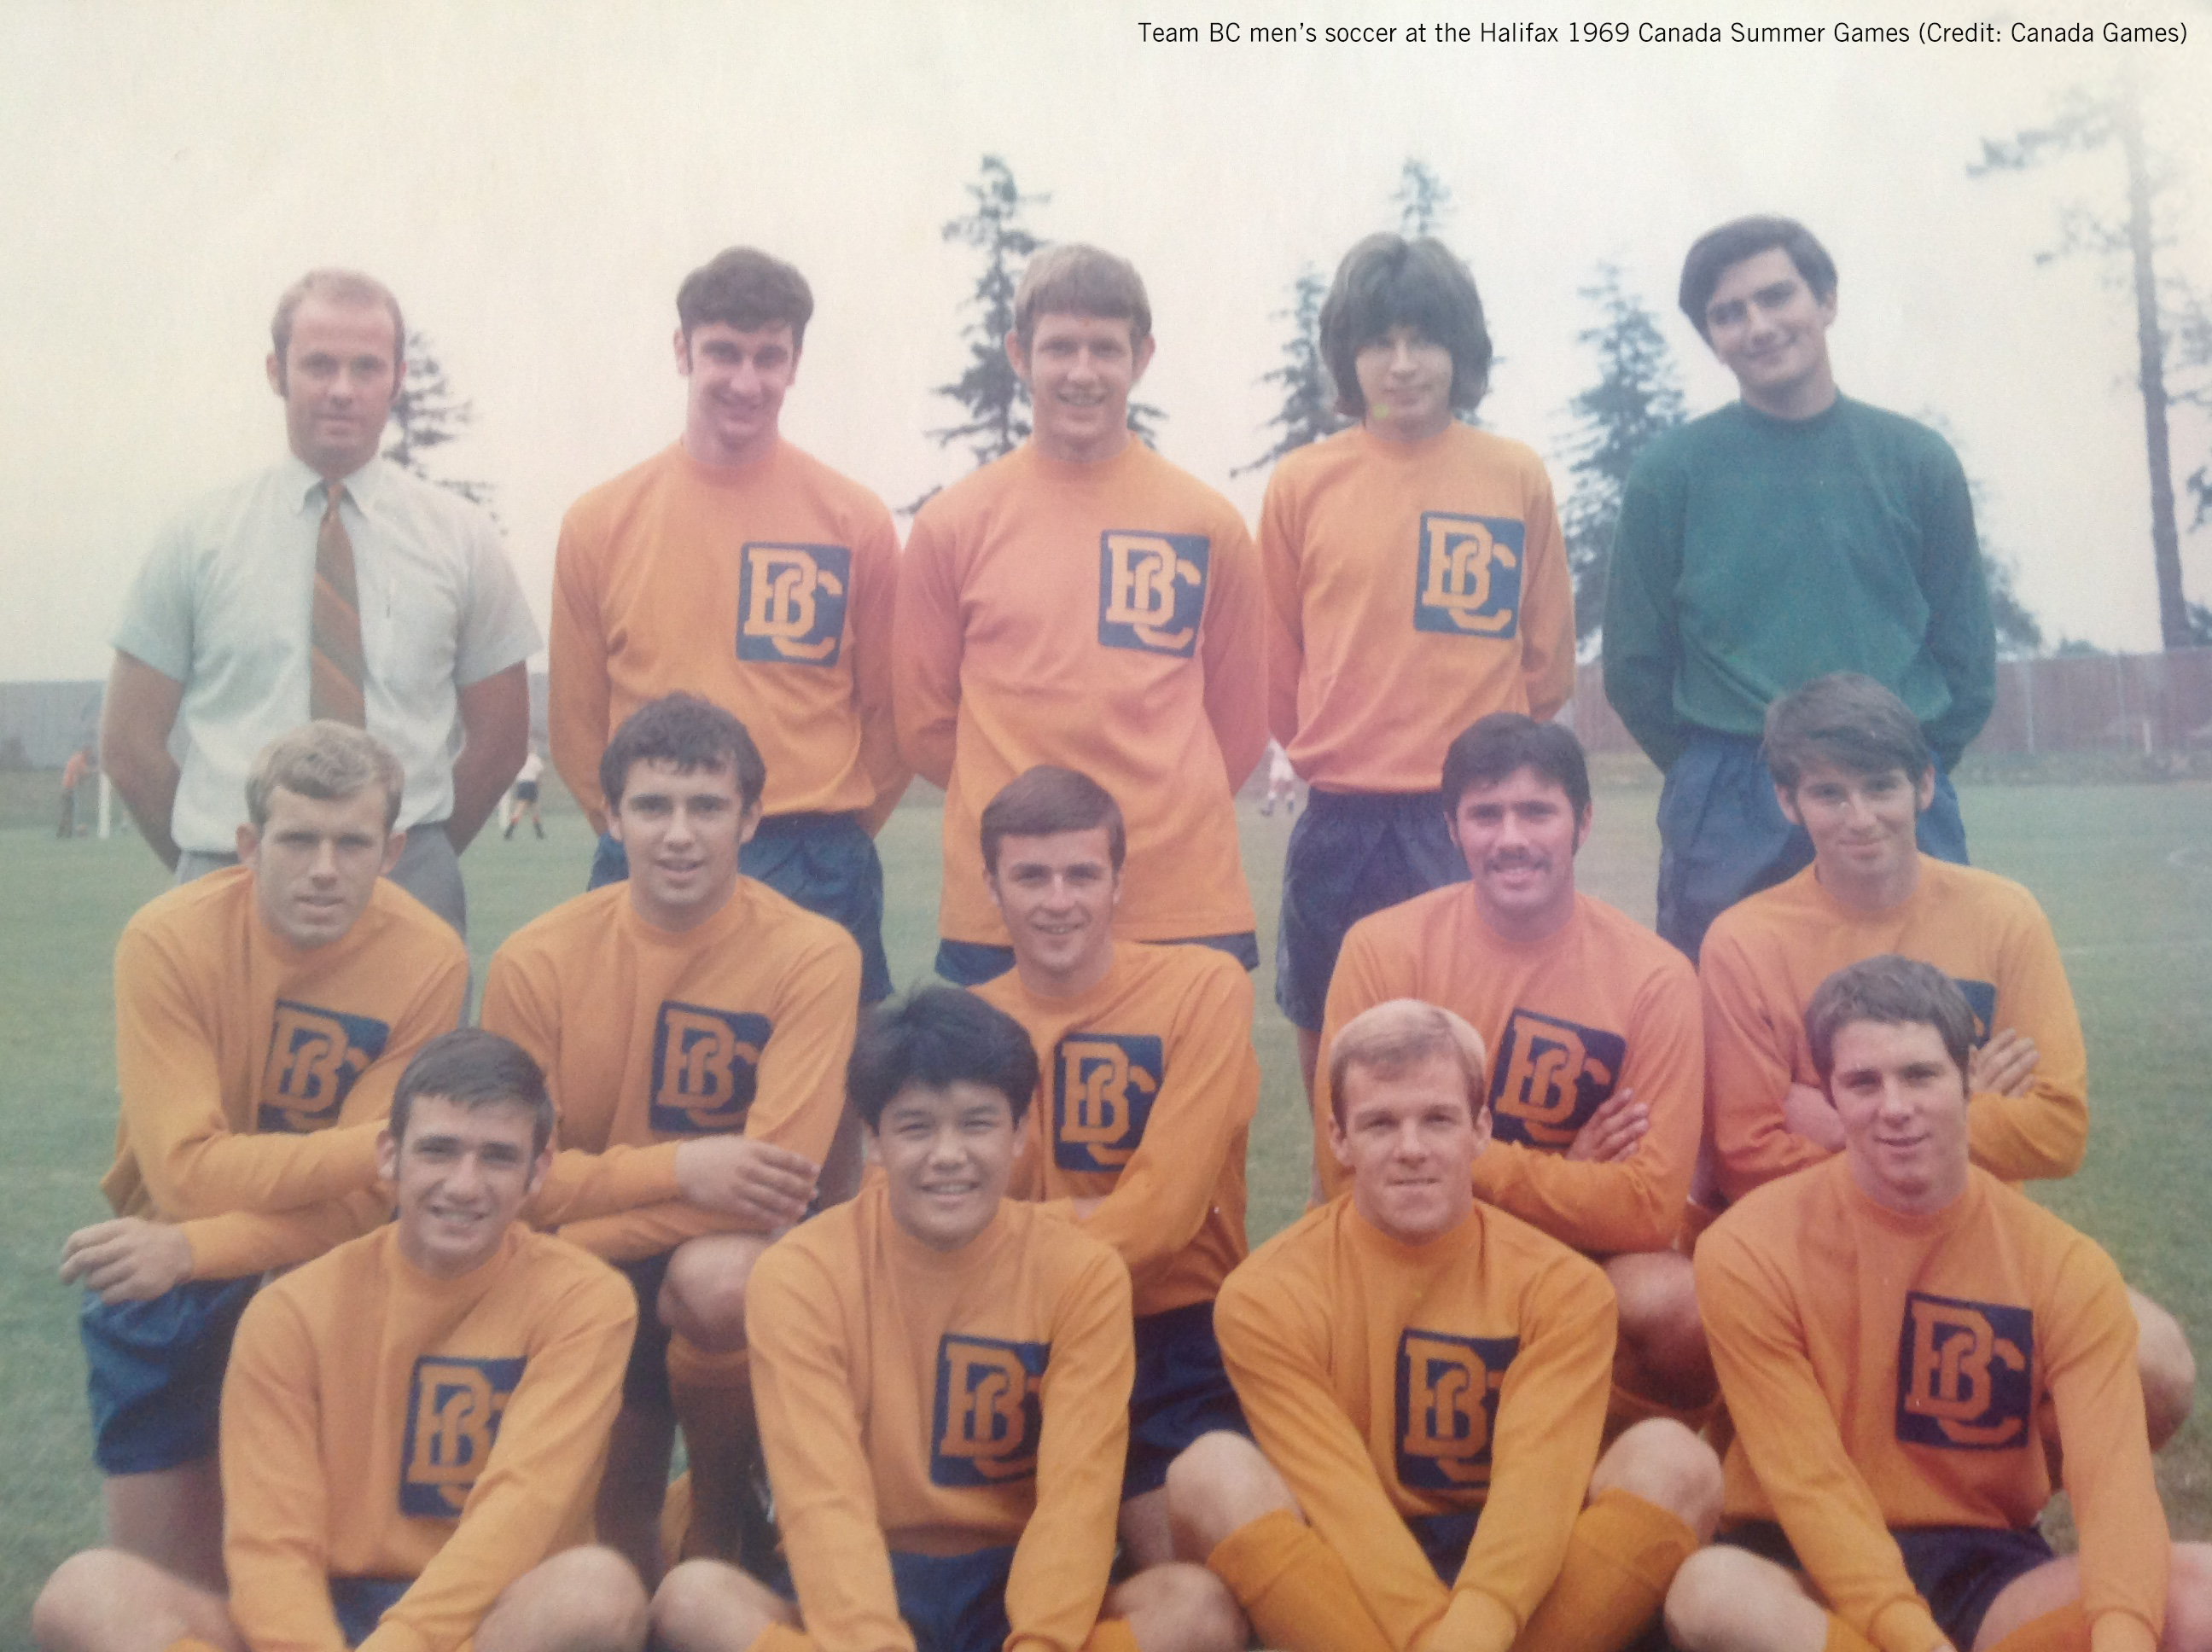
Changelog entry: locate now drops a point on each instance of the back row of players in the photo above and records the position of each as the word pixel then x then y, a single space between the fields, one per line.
pixel 692 1005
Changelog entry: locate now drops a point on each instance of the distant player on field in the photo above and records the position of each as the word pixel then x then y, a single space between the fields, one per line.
pixel 1416 579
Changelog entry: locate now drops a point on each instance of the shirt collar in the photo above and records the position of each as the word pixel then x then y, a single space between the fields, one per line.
pixel 303 488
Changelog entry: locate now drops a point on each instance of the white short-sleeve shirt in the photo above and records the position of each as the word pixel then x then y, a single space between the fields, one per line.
pixel 223 605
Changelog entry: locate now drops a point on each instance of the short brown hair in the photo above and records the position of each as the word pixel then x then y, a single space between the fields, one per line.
pixel 1390 1038
pixel 1073 279
pixel 340 287
pixel 1044 799
pixel 473 1067
pixel 688 734
pixel 1387 281
pixel 1712 252
pixel 1846 719
pixel 745 288
pixel 1494 747
pixel 1892 992
pixel 325 761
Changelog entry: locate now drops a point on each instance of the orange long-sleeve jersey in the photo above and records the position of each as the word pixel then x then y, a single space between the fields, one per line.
pixel 1764 957
pixel 1388 1381
pixel 255 1073
pixel 1602 1005
pixel 380 1423
pixel 1106 618
pixel 768 588
pixel 1884 1370
pixel 940 1402
pixel 743 1023
pixel 1413 587
pixel 1146 1090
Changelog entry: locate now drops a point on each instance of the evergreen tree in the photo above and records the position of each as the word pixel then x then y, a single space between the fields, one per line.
pixel 1309 409
pixel 1636 397
pixel 1422 199
pixel 993 397
pixel 426 415
pixel 2019 634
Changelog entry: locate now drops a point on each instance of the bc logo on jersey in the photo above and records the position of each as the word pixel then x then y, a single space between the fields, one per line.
pixel 987 1418
pixel 791 603
pixel 1981 999
pixel 1103 1085
pixel 314 1056
pixel 454 1408
pixel 1469 570
pixel 1964 1373
pixel 1447 1406
pixel 1551 1075
pixel 1151 590
pixel 705 1068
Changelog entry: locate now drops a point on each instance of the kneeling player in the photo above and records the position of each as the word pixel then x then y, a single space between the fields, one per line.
pixel 412 1424
pixel 943 1383
pixel 1886 1327
pixel 1429 1376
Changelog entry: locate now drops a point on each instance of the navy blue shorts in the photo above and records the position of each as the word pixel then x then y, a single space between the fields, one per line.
pixel 954 1602
pixel 1959 1570
pixel 970 963
pixel 1444 1538
pixel 826 863
pixel 360 1601
pixel 1351 853
pixel 1182 1391
pixel 1723 836
pixel 645 1379
pixel 153 1373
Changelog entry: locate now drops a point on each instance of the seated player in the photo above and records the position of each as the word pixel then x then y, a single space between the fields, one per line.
pixel 1887 1326
pixel 1851 766
pixel 943 1379
pixel 1427 1378
pixel 413 1423
pixel 262 1015
pixel 1596 1088
pixel 1147 1087
pixel 685 1001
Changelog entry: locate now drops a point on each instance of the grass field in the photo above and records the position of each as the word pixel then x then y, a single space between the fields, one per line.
pixel 2125 872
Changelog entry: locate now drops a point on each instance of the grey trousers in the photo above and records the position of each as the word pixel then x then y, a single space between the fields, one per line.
pixel 427 868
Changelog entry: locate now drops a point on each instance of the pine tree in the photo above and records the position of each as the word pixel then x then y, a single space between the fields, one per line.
pixel 1636 397
pixel 427 414
pixel 992 395
pixel 1309 408
pixel 1422 199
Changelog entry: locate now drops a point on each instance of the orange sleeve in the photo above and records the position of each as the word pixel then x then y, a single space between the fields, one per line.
pixel 2044 1133
pixel 1279 565
pixel 192 1162
pixel 1748 1071
pixel 926 651
pixel 2090 1366
pixel 1548 611
pixel 1060 1565
pixel 552 1439
pixel 1233 643
pixel 825 1497
pixel 277 1525
pixel 1272 1341
pixel 875 601
pixel 1211 1087
pixel 1635 1204
pixel 1789 1435
pixel 243 1242
pixel 578 694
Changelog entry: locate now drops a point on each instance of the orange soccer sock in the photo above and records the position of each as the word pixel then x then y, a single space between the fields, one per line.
pixel 712 1393
pixel 1622 1555
pixel 1110 1635
pixel 2066 1630
pixel 1295 1589
pixel 192 1643
pixel 1841 1637
pixel 1624 1407
pixel 781 1637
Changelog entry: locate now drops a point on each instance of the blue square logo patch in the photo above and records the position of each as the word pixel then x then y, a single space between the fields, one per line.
pixel 1103 1085
pixel 1151 590
pixel 1966 1374
pixel 1448 1407
pixel 1469 576
pixel 1549 1077
pixel 988 1416
pixel 791 603
pixel 706 1066
pixel 454 1408
pixel 314 1057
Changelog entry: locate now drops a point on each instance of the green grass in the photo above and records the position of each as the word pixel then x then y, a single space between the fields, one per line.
pixel 2124 870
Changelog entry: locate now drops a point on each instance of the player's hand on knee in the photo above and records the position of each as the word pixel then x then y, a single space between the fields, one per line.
pixel 1614 1130
pixel 2006 1065
pixel 128 1260
pixel 764 1187
pixel 1808 1112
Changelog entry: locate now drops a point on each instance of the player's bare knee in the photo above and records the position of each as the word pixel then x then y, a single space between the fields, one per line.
pixel 1714 1592
pixel 2167 1367
pixel 594 1595
pixel 1179 1607
pixel 1219 1482
pixel 706 1606
pixel 2189 1600
pixel 76 1610
pixel 1666 1465
pixel 702 1298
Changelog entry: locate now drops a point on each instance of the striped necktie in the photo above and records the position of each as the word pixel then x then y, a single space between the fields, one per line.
pixel 337 667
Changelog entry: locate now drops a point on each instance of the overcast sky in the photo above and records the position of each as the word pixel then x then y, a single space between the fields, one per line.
pixel 534 179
